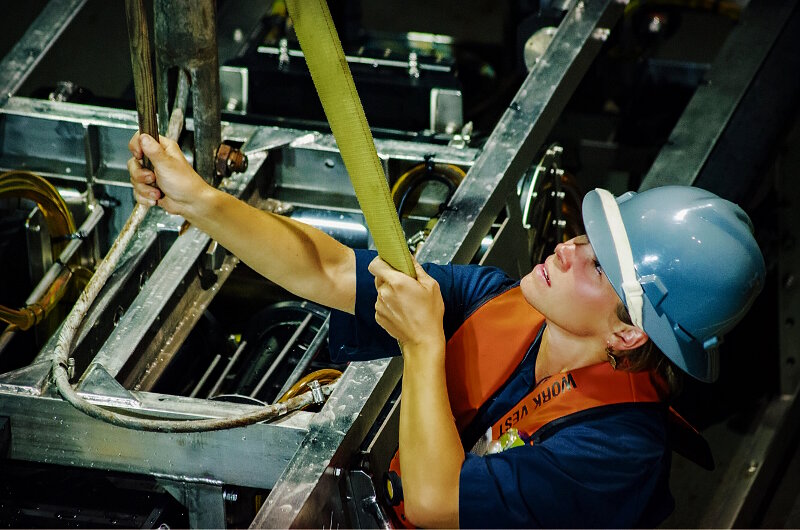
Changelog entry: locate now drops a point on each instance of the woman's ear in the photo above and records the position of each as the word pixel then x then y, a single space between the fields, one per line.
pixel 628 338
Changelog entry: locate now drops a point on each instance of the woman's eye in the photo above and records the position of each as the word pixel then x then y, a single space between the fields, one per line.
pixel 597 266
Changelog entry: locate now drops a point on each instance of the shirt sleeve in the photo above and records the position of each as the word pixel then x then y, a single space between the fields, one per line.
pixel 358 337
pixel 608 472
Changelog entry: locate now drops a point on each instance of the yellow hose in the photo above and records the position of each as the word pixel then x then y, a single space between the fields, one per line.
pixel 337 93
pixel 60 223
pixel 24 318
pixel 32 314
pixel 31 186
pixel 324 376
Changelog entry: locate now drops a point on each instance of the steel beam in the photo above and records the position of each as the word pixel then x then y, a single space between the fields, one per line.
pixel 304 493
pixel 29 50
pixel 788 210
pixel 204 502
pixel 734 78
pixel 49 430
pixel 520 132
pixel 752 471
pixel 173 278
pixel 760 459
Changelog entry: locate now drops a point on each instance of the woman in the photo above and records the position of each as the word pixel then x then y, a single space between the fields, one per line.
pixel 565 358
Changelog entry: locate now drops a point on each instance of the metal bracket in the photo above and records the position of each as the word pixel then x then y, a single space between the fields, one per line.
pixel 205 503
pixel 98 387
pixel 28 380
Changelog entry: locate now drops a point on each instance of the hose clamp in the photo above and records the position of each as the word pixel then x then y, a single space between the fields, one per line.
pixel 316 392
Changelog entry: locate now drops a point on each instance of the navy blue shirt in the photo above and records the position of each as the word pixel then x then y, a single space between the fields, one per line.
pixel 609 469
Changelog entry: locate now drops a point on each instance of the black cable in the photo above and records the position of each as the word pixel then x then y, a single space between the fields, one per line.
pixel 427 177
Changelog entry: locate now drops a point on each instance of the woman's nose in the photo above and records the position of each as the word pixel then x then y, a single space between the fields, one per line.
pixel 564 252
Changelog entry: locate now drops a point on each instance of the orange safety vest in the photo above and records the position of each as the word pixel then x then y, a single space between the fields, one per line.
pixel 476 369
pixel 475 366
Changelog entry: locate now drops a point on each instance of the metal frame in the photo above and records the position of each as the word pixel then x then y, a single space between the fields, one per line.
pixel 40 36
pixel 761 457
pixel 161 265
pixel 713 108
pixel 521 132
pixel 47 429
pixel 186 38
pixel 787 170
pixel 753 469
pixel 302 458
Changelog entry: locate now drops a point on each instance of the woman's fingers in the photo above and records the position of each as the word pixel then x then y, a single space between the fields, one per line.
pixel 170 146
pixel 409 309
pixel 139 173
pixel 147 195
pixel 134 147
pixel 379 268
pixel 142 180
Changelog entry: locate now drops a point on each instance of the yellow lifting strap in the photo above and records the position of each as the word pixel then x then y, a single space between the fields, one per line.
pixel 337 92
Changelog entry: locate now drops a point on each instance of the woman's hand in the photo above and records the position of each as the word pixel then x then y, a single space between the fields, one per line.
pixel 172 184
pixel 410 310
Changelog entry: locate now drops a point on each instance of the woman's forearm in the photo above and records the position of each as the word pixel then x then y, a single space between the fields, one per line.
pixel 431 455
pixel 296 256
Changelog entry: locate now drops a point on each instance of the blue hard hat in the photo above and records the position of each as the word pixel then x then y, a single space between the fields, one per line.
pixel 696 260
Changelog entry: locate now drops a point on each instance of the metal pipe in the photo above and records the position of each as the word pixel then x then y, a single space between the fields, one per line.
pixel 178 116
pixel 139 38
pixel 282 354
pixel 206 375
pixel 84 230
pixel 185 38
pixel 23 318
pixel 305 360
pixel 224 374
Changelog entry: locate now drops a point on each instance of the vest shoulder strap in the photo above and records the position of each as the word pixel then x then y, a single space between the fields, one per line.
pixel 486 349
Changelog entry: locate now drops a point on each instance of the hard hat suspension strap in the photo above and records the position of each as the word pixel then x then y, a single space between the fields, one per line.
pixel 630 284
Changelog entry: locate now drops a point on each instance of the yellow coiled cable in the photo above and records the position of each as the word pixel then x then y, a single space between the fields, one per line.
pixel 28 185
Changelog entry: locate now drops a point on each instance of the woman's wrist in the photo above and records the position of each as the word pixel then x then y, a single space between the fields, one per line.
pixel 204 204
pixel 425 350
